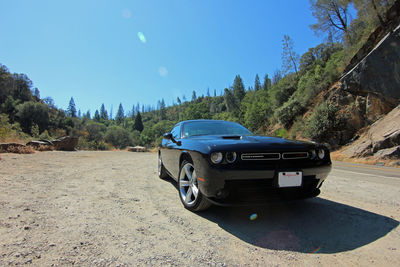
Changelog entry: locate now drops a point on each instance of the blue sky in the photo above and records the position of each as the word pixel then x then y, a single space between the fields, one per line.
pixel 114 51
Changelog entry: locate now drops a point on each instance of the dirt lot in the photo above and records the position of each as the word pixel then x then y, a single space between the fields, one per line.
pixel 111 209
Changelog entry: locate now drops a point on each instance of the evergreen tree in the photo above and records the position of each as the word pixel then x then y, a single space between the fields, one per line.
pixel 96 116
pixel 120 114
pixel 257 84
pixel 230 101
pixel 178 100
pixel 71 110
pixel 36 93
pixel 215 93
pixel 103 113
pixel 208 92
pixel 138 125
pixel 267 83
pixel 162 110
pixel 238 89
pixel 194 97
pixel 79 114
pixel 290 59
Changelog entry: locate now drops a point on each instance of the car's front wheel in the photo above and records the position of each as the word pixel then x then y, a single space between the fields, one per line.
pixel 189 192
pixel 162 172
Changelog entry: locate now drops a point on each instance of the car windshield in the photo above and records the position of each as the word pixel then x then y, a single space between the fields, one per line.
pixel 214 128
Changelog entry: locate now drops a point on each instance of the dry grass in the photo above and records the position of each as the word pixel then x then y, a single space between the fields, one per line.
pixel 339 156
pixel 18 149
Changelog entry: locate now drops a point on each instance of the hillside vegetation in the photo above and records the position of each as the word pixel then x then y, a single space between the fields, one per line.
pixel 283 105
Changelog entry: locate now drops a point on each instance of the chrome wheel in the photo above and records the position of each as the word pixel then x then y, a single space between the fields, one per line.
pixel 188 186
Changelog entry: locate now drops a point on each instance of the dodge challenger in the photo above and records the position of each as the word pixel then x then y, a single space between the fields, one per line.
pixel 223 163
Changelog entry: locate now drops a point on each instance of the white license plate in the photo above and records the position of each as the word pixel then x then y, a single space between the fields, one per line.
pixel 289 179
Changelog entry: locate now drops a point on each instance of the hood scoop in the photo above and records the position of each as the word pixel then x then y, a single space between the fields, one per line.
pixel 233 137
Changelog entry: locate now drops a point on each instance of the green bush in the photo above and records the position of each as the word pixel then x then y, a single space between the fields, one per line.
pixel 288 112
pixel 322 122
pixel 281 133
pixel 118 137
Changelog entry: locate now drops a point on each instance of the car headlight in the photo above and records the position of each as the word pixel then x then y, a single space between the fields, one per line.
pixel 321 153
pixel 230 157
pixel 216 157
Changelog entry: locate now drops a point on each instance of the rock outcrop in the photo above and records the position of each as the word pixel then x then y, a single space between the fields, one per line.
pixel 382 139
pixel 136 148
pixel 66 143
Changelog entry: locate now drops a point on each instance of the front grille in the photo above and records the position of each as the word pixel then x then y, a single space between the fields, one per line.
pixel 295 155
pixel 275 156
pixel 261 156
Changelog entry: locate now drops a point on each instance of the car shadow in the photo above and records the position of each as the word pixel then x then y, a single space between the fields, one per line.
pixel 308 226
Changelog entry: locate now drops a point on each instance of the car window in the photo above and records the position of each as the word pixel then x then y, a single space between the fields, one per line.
pixel 213 128
pixel 176 132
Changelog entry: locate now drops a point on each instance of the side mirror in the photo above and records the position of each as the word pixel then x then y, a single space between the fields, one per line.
pixel 167 136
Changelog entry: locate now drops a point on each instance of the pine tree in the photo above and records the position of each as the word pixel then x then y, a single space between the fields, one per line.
pixel 194 97
pixel 120 114
pixel 71 110
pixel 138 125
pixel 257 84
pixel 103 112
pixel 230 101
pixel 208 92
pixel 178 100
pixel 163 114
pixel 290 58
pixel 238 89
pixel 267 83
pixel 96 116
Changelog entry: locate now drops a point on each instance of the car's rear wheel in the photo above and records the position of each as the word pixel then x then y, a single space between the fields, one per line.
pixel 162 172
pixel 189 192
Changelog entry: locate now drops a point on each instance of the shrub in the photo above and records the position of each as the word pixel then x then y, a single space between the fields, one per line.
pixel 288 112
pixel 118 137
pixel 322 122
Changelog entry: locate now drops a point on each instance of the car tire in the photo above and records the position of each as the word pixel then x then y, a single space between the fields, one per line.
pixel 189 193
pixel 162 172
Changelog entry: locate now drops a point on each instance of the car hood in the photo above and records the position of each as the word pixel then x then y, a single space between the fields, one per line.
pixel 248 143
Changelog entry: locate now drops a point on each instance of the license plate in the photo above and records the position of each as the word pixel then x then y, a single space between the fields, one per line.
pixel 289 179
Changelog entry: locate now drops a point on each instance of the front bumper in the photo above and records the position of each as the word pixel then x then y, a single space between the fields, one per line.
pixel 228 185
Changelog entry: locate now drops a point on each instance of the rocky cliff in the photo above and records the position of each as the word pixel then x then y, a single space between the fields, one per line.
pixel 368 95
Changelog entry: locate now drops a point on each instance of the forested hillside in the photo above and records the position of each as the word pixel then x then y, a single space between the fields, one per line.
pixel 283 104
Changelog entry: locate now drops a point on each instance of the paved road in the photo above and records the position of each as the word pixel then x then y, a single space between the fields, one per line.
pixel 363 172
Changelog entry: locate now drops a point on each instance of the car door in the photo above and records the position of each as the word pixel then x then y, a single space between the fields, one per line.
pixel 171 151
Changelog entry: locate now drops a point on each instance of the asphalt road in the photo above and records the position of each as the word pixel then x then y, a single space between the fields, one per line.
pixel 363 172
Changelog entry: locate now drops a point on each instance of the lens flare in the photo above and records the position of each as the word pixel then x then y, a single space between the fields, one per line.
pixel 163 71
pixel 126 13
pixel 141 37
pixel 253 216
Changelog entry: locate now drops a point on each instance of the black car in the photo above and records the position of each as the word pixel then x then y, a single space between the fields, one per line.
pixel 223 163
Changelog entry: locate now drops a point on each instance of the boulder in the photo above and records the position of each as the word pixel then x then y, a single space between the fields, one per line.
pixel 41 145
pixel 384 134
pixel 67 143
pixel 136 148
pixel 388 153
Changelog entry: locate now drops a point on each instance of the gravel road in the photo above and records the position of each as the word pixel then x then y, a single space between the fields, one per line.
pixel 111 209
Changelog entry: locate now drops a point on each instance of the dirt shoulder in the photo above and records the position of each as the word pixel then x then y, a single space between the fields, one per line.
pixel 110 208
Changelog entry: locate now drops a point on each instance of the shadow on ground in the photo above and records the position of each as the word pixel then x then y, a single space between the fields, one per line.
pixel 306 226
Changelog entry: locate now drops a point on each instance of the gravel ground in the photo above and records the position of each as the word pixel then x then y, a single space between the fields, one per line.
pixel 111 209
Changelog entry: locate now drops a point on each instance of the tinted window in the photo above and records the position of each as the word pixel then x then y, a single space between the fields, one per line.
pixel 214 128
pixel 176 132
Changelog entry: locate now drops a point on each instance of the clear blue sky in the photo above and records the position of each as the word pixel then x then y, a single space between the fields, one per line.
pixel 116 51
